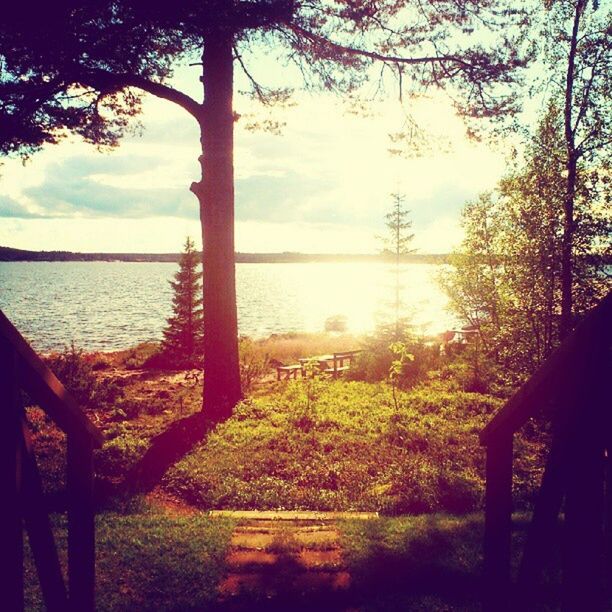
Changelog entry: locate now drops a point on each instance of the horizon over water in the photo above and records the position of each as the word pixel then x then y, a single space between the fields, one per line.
pixel 116 305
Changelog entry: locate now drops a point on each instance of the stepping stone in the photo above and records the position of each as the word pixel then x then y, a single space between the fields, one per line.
pixel 236 584
pixel 283 561
pixel 320 559
pixel 241 559
pixel 254 541
pixel 275 528
pixel 322 581
pixel 318 539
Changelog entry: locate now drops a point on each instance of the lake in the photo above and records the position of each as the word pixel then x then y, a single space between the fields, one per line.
pixel 114 305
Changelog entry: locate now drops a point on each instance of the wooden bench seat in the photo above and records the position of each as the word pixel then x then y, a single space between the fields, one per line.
pixel 290 371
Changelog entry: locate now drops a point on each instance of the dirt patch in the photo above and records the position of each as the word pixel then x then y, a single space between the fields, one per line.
pixel 169 505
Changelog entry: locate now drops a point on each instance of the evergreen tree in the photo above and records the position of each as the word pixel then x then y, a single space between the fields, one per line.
pixel 184 336
pixel 397 244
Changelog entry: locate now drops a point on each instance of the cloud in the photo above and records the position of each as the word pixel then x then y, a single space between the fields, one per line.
pixel 76 187
pixel 12 209
pixel 325 182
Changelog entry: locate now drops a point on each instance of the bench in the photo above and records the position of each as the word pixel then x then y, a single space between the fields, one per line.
pixel 290 371
pixel 339 364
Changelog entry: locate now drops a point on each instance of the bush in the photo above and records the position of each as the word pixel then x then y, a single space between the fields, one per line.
pixel 76 372
pixel 119 454
pixel 254 364
pixel 374 364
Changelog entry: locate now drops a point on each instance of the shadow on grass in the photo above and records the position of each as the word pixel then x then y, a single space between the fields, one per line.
pixel 429 564
pixel 166 449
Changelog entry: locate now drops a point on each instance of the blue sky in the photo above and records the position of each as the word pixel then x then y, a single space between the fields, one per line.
pixel 322 185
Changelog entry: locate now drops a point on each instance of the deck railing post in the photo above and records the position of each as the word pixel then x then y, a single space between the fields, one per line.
pixel 583 549
pixel 498 523
pixel 11 521
pixel 81 525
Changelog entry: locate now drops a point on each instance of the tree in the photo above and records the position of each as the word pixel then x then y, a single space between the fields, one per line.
pixel 507 275
pixel 576 45
pixel 397 244
pixel 83 68
pixel 184 335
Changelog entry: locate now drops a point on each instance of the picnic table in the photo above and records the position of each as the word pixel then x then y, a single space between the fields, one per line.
pixel 333 363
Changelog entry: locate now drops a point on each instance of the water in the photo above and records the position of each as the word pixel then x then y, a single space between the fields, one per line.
pixel 114 305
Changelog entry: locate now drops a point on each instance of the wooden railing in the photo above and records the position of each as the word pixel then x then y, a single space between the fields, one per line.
pixel 572 389
pixel 23 503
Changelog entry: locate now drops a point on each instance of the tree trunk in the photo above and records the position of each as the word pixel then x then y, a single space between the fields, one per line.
pixel 567 247
pixel 215 193
pixel 567 273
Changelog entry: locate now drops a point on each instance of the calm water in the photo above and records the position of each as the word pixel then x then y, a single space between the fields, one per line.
pixel 110 305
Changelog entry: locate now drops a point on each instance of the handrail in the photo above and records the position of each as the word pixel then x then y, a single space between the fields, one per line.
pixel 558 374
pixel 46 390
pixel 24 501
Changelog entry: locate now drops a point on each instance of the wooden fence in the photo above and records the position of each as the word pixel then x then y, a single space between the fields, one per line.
pixel 24 505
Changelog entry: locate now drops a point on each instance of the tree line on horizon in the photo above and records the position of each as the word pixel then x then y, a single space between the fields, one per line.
pixel 11 254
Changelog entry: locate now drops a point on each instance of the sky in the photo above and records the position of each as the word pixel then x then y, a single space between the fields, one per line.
pixel 322 185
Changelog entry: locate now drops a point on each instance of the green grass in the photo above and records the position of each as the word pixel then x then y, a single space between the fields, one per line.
pixel 348 448
pixel 150 561
pixel 430 562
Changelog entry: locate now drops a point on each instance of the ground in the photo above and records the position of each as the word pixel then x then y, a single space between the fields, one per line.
pixel 314 444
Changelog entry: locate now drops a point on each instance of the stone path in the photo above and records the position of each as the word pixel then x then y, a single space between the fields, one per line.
pixel 285 564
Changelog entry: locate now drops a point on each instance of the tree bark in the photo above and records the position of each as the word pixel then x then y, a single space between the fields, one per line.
pixel 567 245
pixel 215 193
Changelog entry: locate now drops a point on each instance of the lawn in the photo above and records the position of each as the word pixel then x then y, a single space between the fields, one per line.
pixel 149 561
pixel 152 561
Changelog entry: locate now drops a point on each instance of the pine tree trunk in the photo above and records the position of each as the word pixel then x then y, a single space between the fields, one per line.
pixel 215 193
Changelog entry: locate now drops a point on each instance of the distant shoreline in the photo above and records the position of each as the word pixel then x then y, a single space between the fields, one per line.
pixel 8 254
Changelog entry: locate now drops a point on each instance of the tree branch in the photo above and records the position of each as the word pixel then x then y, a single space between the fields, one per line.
pixel 324 42
pixel 107 82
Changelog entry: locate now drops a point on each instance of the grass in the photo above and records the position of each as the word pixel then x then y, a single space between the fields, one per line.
pixel 430 562
pixel 433 562
pixel 290 347
pixel 149 561
pixel 340 445
pixel 310 444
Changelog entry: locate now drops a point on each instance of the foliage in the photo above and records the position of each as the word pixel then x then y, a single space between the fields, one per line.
pixel 575 46
pixel 397 243
pixel 506 278
pixel 76 371
pixel 396 369
pixel 376 360
pixel 51 86
pixel 119 454
pixel 183 343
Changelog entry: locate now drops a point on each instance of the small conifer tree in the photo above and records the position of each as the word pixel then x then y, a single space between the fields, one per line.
pixel 184 336
pixel 397 243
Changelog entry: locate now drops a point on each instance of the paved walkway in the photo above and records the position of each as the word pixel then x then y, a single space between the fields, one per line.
pixel 284 563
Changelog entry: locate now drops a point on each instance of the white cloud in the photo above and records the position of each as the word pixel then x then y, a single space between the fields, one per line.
pixel 323 185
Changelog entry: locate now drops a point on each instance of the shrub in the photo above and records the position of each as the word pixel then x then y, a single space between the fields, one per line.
pixel 77 374
pixel 119 454
pixel 375 363
pixel 254 364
